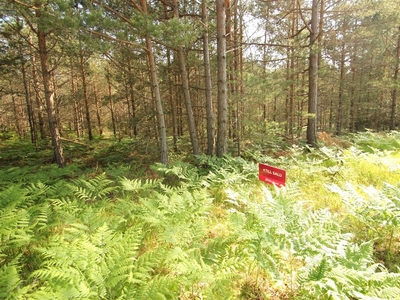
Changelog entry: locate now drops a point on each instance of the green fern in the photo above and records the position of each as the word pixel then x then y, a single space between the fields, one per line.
pixel 379 211
pixel 136 185
pixel 315 272
pixel 371 142
pixel 9 279
pixel 12 196
pixel 157 288
pixel 93 189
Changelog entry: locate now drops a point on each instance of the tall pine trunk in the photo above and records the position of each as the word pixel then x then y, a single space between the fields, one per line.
pixel 353 97
pixel 222 85
pixel 157 95
pixel 16 110
pixel 208 83
pixel 339 116
pixel 85 94
pixel 186 92
pixel 31 117
pixel 394 92
pixel 98 109
pixel 36 87
pixel 49 93
pixel 313 78
pixel 172 102
pixel 132 99
pixel 111 102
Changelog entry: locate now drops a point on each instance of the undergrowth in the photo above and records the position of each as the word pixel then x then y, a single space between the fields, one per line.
pixel 204 228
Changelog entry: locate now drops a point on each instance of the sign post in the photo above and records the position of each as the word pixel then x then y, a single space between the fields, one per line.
pixel 272 175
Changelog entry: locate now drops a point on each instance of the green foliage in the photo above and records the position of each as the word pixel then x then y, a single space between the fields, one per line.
pixel 93 189
pixel 375 142
pixel 378 214
pixel 208 229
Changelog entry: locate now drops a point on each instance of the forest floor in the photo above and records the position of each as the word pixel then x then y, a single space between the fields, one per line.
pixel 113 224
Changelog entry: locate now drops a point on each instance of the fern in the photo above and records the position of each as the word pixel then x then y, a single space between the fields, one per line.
pixel 93 189
pixel 377 210
pixel 37 190
pixel 393 193
pixel 315 271
pixel 178 174
pixel 104 264
pixel 12 196
pixel 369 141
pixel 158 288
pixel 9 279
pixel 14 230
pixel 137 185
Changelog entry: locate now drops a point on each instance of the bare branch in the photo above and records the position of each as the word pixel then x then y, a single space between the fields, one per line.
pixel 272 45
pixel 136 6
pixel 123 18
pixel 103 35
pixel 24 4
pixel 302 17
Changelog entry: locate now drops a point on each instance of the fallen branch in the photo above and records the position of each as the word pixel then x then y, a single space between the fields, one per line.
pixel 75 142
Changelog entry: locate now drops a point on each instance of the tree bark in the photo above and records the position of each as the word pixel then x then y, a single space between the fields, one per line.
pixel 16 110
pixel 222 84
pixel 394 92
pixel 77 114
pixel 85 94
pixel 111 102
pixel 208 83
pixel 132 98
pixel 339 116
pixel 353 97
pixel 157 95
pixel 186 92
pixel 98 109
pixel 36 84
pixel 313 78
pixel 49 93
pixel 31 117
pixel 172 103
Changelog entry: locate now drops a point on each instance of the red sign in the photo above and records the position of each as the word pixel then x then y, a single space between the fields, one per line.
pixel 271 175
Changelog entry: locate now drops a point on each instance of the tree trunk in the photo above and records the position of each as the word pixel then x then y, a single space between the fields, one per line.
pixel 132 99
pixel 331 109
pixel 172 102
pixel 339 116
pixel 353 97
pixel 313 78
pixel 186 92
pixel 49 94
pixel 234 63
pixel 321 26
pixel 54 87
pixel 16 111
pixel 36 84
pixel 229 72
pixel 85 94
pixel 157 96
pixel 394 92
pixel 31 117
pixel 222 85
pixel 238 28
pixel 98 109
pixel 111 102
pixel 77 118
pixel 208 83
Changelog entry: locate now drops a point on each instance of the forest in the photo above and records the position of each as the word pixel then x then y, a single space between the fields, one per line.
pixel 131 133
pixel 216 77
